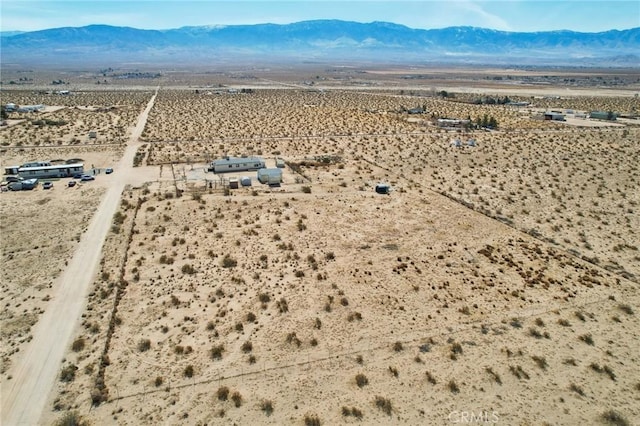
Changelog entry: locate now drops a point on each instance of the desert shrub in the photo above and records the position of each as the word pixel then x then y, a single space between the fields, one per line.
pixel 78 344
pixel 264 298
pixel 306 189
pixel 384 404
pixel 397 346
pixel 228 262
pixel 456 348
pixel 577 389
pixel 216 351
pixel 587 338
pixel 496 376
pixel 282 305
pixel 518 372
pixel 236 398
pixel 312 420
pixel 361 380
pixel 71 418
pixel 317 323
pixel 222 393
pixel 247 346
pixel 158 381
pixel 627 309
pixel 188 269
pixel 293 338
pixel 267 406
pixel 68 373
pixel 614 418
pixel 453 386
pixel 144 345
pixel 535 333
pixel 563 322
pixel 430 378
pixel 540 361
pixel 251 317
pixel 353 411
pixel 188 371
pixel 394 371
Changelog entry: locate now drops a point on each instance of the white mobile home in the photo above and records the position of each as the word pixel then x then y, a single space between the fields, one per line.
pixel 56 171
pixel 237 164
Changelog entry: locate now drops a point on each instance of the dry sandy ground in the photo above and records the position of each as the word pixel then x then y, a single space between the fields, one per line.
pixel 465 290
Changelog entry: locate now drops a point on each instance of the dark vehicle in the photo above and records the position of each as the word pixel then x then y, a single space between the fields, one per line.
pixel 382 188
pixel 109 171
pixel 71 183
pixel 77 176
pixel 47 185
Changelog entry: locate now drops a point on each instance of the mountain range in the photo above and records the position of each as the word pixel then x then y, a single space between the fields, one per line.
pixel 321 40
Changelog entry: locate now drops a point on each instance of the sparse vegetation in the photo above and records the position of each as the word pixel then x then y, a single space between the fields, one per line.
pixel 384 404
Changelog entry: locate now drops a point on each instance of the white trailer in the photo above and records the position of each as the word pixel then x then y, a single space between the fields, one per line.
pixel 55 171
pixel 236 164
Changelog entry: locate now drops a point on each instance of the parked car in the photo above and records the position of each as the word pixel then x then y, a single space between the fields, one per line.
pixel 71 183
pixel 77 176
pixel 109 170
pixel 47 185
pixel 87 177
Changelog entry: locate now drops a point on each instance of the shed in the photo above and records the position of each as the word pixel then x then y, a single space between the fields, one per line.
pixel 233 183
pixel 245 181
pixel 270 176
pixel 553 115
pixel 383 188
pixel 603 115
pixel 280 163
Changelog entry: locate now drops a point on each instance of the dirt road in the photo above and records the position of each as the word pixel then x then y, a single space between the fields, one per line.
pixel 35 371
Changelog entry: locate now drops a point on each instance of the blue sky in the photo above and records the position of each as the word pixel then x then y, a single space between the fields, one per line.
pixel 509 15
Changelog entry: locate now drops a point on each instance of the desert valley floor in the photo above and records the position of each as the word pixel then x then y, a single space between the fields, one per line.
pixel 497 282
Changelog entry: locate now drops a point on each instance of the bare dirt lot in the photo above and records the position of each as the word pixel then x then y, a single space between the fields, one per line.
pixel 491 276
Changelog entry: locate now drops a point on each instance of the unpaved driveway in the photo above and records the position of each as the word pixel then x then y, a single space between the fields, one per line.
pixel 35 371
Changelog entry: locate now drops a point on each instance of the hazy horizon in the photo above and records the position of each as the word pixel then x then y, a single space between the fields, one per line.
pixel 514 15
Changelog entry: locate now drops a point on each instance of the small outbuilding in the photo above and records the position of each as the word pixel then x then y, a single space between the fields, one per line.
pixel 553 115
pixel 603 115
pixel 280 163
pixel 383 188
pixel 233 183
pixel 245 181
pixel 270 176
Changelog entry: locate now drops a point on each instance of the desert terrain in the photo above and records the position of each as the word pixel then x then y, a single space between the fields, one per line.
pixel 497 282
